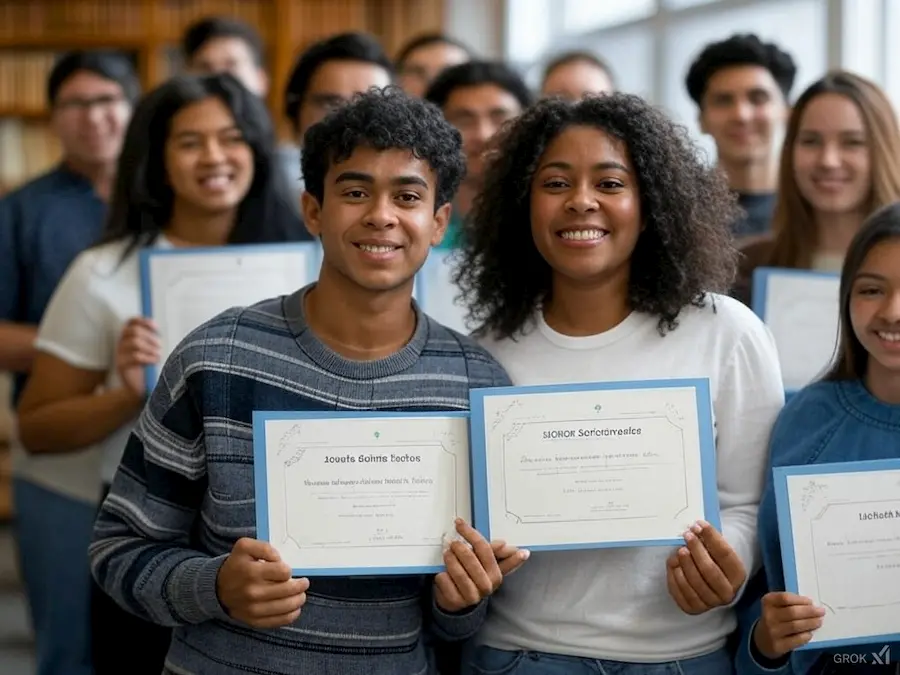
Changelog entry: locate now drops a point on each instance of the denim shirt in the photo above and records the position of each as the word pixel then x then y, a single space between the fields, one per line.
pixel 825 422
pixel 44 225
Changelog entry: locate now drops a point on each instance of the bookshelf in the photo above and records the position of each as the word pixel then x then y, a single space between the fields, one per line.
pixel 33 33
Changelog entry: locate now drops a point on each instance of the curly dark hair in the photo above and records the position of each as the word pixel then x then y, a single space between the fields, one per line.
pixel 685 251
pixel 385 119
pixel 742 49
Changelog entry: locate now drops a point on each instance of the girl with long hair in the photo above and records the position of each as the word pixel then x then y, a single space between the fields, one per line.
pixel 840 162
pixel 197 168
pixel 852 414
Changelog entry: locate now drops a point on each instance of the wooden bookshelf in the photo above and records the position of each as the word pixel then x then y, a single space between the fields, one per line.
pixel 33 33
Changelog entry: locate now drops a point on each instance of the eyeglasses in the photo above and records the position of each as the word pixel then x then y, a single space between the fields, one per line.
pixel 84 105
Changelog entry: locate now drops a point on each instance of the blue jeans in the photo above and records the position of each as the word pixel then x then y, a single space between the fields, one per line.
pixel 53 532
pixel 489 661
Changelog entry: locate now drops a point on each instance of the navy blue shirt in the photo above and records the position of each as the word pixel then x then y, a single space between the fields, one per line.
pixel 44 225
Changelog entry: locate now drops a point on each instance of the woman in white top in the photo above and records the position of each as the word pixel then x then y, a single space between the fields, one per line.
pixel 599 250
pixel 197 168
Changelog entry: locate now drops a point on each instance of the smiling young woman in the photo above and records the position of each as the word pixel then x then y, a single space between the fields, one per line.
pixel 839 163
pixel 599 250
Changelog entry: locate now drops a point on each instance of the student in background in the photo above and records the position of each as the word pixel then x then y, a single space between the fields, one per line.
pixel 196 169
pixel 329 74
pixel 44 225
pixel 600 251
pixel 742 88
pixel 227 45
pixel 477 98
pixel 853 414
pixel 380 172
pixel 574 75
pixel 424 57
pixel 840 162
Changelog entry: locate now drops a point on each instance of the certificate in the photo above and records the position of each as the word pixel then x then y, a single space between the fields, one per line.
pixel 840 545
pixel 802 310
pixel 593 465
pixel 182 288
pixel 437 294
pixel 360 493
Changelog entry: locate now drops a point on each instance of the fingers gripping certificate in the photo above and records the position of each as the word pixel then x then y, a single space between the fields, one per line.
pixel 594 465
pixel 840 540
pixel 360 493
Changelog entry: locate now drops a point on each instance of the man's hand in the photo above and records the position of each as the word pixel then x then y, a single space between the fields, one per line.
pixel 706 573
pixel 256 588
pixel 475 569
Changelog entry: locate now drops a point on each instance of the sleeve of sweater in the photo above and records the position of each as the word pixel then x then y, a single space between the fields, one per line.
pixel 141 553
pixel 750 396
pixel 806 415
pixel 483 371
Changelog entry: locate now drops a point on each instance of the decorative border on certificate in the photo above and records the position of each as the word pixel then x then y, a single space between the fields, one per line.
pixel 594 465
pixel 437 294
pixel 839 526
pixel 361 493
pixel 308 255
pixel 762 278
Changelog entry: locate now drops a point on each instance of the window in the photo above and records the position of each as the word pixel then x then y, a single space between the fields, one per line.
pixel 892 53
pixel 529 29
pixel 583 16
pixel 629 53
pixel 684 4
pixel 778 21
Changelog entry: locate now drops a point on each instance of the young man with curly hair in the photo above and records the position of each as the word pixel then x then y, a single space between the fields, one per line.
pixel 742 89
pixel 175 539
pixel 600 251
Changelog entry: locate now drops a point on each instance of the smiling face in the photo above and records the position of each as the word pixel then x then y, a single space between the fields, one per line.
pixel 478 111
pixel 377 219
pixel 744 110
pixel 208 163
pixel 875 312
pixel 832 163
pixel 585 207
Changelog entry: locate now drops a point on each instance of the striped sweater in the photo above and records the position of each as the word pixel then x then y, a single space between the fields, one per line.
pixel 183 495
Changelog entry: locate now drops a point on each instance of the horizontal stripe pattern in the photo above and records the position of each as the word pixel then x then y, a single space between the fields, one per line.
pixel 184 494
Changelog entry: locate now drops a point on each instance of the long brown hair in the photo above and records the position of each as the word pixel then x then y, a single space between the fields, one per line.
pixel 851 357
pixel 792 221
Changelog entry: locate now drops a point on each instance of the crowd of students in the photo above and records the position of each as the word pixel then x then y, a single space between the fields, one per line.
pixel 592 242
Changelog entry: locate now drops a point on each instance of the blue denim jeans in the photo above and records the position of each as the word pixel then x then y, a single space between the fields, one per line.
pixel 53 532
pixel 485 660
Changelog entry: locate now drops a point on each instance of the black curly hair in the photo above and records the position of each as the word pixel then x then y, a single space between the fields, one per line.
pixel 685 251
pixel 385 119
pixel 742 49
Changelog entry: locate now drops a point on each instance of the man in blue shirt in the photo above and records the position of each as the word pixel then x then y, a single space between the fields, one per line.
pixel 44 225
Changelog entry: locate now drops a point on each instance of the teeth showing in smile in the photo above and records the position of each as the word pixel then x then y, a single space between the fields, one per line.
pixel 583 235
pixel 889 337
pixel 216 182
pixel 368 248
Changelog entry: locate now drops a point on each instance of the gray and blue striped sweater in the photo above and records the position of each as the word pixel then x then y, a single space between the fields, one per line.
pixel 184 494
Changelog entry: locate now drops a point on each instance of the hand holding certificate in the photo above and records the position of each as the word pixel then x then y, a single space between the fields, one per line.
pixel 840 539
pixel 593 465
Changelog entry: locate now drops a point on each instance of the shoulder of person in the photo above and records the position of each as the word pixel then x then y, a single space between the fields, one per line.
pixel 476 356
pixel 809 414
pixel 755 252
pixel 730 318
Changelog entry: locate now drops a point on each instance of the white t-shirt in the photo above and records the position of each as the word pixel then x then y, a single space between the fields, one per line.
pixel 97 296
pixel 613 603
